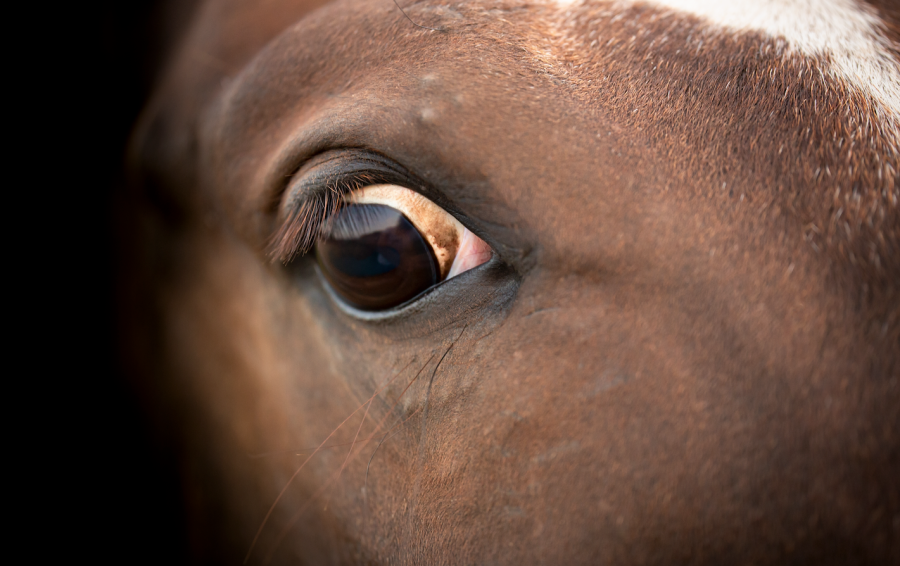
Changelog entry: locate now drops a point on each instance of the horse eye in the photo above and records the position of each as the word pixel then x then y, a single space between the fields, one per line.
pixel 389 244
pixel 375 258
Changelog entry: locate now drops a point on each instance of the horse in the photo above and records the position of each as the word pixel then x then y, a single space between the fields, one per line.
pixel 524 281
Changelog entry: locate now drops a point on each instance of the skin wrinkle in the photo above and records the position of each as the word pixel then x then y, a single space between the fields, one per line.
pixel 684 352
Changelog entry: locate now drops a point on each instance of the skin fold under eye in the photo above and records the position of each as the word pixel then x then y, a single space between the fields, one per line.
pixel 388 244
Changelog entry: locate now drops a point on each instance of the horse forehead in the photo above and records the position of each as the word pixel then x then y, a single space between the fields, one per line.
pixel 850 38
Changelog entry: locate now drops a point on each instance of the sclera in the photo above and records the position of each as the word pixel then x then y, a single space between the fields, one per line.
pixel 455 247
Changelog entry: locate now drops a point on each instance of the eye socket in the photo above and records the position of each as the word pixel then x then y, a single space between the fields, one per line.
pixel 389 244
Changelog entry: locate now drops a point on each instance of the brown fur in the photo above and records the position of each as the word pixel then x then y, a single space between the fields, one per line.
pixel 685 353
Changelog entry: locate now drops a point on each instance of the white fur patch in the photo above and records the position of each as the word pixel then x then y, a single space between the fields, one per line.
pixel 841 29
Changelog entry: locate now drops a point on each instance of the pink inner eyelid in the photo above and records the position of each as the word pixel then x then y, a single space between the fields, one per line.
pixel 472 252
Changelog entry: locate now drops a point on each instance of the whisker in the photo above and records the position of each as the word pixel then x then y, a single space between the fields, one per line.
pixel 334 476
pixel 361 423
pixel 414 23
pixel 316 451
pixel 298 514
pixel 385 437
pixel 296 451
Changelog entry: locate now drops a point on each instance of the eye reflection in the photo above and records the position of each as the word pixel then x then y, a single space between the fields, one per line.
pixel 375 258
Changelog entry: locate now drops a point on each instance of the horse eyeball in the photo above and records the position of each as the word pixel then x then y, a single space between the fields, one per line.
pixel 374 258
pixel 389 244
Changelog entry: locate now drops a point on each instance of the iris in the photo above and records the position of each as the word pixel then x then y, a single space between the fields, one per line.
pixel 375 258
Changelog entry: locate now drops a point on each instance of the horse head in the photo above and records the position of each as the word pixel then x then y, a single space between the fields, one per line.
pixel 499 282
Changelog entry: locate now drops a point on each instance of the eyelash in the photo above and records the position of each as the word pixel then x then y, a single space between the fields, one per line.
pixel 324 190
pixel 308 219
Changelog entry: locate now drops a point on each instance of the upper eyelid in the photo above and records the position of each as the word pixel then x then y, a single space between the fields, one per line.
pixel 348 167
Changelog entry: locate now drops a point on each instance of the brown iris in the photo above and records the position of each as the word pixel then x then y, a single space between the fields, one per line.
pixel 374 257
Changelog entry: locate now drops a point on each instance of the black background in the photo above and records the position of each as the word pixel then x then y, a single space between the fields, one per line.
pixel 109 490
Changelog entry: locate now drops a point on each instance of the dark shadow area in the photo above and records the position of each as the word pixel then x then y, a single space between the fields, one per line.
pixel 124 483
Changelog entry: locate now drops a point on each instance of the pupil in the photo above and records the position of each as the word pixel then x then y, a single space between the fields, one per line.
pixel 360 260
pixel 374 257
